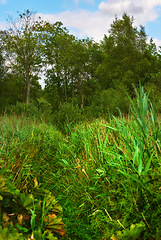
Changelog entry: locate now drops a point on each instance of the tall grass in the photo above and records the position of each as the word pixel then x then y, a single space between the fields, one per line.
pixel 27 151
pixel 107 176
pixel 112 172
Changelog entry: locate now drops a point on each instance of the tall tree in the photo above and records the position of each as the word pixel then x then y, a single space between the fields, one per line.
pixel 1 66
pixel 57 41
pixel 9 89
pixel 23 49
pixel 71 65
pixel 124 50
pixel 1 78
pixel 86 57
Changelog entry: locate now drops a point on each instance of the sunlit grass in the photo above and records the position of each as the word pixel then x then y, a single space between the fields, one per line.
pixel 105 174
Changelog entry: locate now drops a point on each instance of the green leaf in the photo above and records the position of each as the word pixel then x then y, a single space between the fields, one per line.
pixel 21 229
pixel 54 223
pixel 52 204
pixel 132 177
pixel 140 168
pixel 146 169
pixel 10 233
pixel 27 200
pixel 32 220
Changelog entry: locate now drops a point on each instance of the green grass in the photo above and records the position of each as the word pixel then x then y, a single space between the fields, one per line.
pixel 28 151
pixel 107 176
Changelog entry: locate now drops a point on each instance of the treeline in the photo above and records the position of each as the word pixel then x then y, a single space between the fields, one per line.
pixel 82 77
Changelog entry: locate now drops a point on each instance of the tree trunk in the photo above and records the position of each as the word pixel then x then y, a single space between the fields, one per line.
pixel 72 92
pixel 65 87
pixel 82 105
pixel 28 87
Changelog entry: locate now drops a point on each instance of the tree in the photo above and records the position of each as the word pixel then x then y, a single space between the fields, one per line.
pixel 86 57
pixel 1 66
pixel 57 41
pixel 9 89
pixel 2 74
pixel 67 61
pixel 125 51
pixel 23 49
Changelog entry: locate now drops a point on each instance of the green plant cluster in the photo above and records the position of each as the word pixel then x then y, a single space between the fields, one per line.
pixel 106 175
pixel 28 110
pixel 132 233
pixel 112 172
pixel 82 79
pixel 29 210
pixel 26 217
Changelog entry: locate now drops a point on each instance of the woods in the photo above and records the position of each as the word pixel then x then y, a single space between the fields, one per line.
pixel 89 76
pixel 79 158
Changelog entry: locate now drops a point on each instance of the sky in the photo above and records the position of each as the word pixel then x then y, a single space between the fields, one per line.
pixel 89 18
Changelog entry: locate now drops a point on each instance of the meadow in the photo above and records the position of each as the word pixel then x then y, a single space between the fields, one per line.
pixel 101 180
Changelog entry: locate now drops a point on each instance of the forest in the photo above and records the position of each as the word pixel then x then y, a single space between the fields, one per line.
pixel 79 157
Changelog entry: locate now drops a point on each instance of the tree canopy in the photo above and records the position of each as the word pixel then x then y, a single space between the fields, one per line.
pixel 91 76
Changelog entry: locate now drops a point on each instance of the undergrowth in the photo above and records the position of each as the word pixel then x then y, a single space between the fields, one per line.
pixel 106 176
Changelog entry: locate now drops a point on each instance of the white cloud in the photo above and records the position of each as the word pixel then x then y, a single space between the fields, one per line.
pixel 96 24
pixel 3 1
pixel 76 1
pixel 85 1
pixel 143 10
pixel 86 23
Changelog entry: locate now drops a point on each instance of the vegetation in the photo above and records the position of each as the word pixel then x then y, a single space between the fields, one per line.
pixel 104 174
pixel 78 72
pixel 79 159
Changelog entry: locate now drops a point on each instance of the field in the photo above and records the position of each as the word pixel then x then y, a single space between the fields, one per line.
pixel 101 180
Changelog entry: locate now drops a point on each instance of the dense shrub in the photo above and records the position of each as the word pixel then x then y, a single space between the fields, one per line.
pixel 107 103
pixel 66 115
pixel 23 109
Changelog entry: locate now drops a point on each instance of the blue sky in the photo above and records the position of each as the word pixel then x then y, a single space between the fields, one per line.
pixel 90 18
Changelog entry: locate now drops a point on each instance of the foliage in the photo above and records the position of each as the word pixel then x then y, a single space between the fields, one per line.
pixel 45 107
pixel 24 216
pixel 102 165
pixel 23 50
pixel 28 152
pixel 111 104
pixel 23 109
pixel 80 72
pixel 67 115
pixel 132 233
pixel 22 145
pixel 154 96
pixel 127 59
pixel 105 175
pixel 111 172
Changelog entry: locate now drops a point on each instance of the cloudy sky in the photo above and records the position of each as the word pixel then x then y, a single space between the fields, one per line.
pixel 90 18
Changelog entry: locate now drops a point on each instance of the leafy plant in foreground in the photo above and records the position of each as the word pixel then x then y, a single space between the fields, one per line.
pixel 111 173
pixel 132 233
pixel 25 216
pixel 137 153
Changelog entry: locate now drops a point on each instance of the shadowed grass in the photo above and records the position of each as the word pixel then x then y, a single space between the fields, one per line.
pixel 28 151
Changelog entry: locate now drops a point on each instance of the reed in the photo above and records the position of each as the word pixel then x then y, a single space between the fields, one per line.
pixel 105 175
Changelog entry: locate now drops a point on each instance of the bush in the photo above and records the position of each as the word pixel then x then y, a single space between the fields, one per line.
pixel 27 110
pixel 112 99
pixel 66 115
pixel 107 102
pixel 154 96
